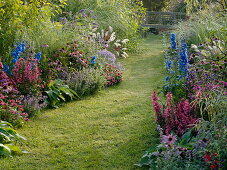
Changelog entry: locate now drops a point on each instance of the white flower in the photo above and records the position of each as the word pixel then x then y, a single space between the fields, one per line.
pixel 107 33
pixel 94 35
pixel 94 29
pixel 98 36
pixel 113 36
pixel 117 44
pixel 102 33
pixel 110 29
pixel 194 46
pixel 125 41
pixel 124 55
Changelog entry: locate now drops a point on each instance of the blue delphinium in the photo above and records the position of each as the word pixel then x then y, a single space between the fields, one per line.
pixel 183 62
pixel 93 60
pixel 38 56
pixel 173 41
pixel 6 68
pixel 20 48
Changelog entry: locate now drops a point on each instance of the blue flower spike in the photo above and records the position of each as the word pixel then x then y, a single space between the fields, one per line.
pixel 173 41
pixel 38 56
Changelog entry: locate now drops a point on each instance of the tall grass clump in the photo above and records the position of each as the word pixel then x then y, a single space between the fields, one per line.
pixel 203 26
pixel 124 16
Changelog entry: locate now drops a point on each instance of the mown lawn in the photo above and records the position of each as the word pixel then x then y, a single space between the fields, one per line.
pixel 109 130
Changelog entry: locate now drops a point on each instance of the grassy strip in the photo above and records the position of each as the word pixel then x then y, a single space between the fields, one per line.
pixel 107 131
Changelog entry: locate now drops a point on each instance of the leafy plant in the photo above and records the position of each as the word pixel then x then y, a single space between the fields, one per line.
pixel 59 92
pixel 8 140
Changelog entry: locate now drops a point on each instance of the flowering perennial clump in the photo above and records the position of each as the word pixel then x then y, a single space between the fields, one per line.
pixel 183 61
pixel 112 74
pixel 107 57
pixel 20 48
pixel 173 41
pixel 174 117
pixel 26 75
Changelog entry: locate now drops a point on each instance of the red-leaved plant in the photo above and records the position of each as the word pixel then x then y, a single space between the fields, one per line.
pixel 173 117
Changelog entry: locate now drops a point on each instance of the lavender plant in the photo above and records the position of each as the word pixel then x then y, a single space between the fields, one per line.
pixel 85 82
pixel 33 104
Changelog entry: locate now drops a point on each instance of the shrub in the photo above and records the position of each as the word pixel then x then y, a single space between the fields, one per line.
pixel 203 26
pixel 19 18
pixel 207 78
pixel 123 16
pixel 11 109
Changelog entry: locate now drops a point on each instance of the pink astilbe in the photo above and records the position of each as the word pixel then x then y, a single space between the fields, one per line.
pixel 26 74
pixel 175 117
pixel 157 108
pixel 168 112
pixel 183 117
pixel 180 117
pixel 26 71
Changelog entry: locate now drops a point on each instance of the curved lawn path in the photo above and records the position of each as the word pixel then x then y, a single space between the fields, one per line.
pixel 109 130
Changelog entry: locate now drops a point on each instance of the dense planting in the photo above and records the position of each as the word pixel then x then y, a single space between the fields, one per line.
pixel 50 55
pixel 59 51
pixel 192 122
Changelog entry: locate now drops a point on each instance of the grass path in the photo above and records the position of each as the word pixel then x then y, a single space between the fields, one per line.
pixel 109 130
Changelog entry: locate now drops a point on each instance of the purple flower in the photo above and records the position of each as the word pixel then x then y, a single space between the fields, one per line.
pixel 82 10
pixel 107 56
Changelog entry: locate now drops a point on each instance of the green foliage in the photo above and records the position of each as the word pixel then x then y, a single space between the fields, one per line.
pixel 154 156
pixel 123 16
pixel 8 138
pixel 154 5
pixel 195 5
pixel 58 91
pixel 86 81
pixel 203 26
pixel 24 18
pixel 175 6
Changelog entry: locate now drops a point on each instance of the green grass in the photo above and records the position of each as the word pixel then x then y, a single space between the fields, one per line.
pixel 109 130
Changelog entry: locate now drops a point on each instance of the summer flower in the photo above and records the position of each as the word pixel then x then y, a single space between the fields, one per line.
pixel 168 139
